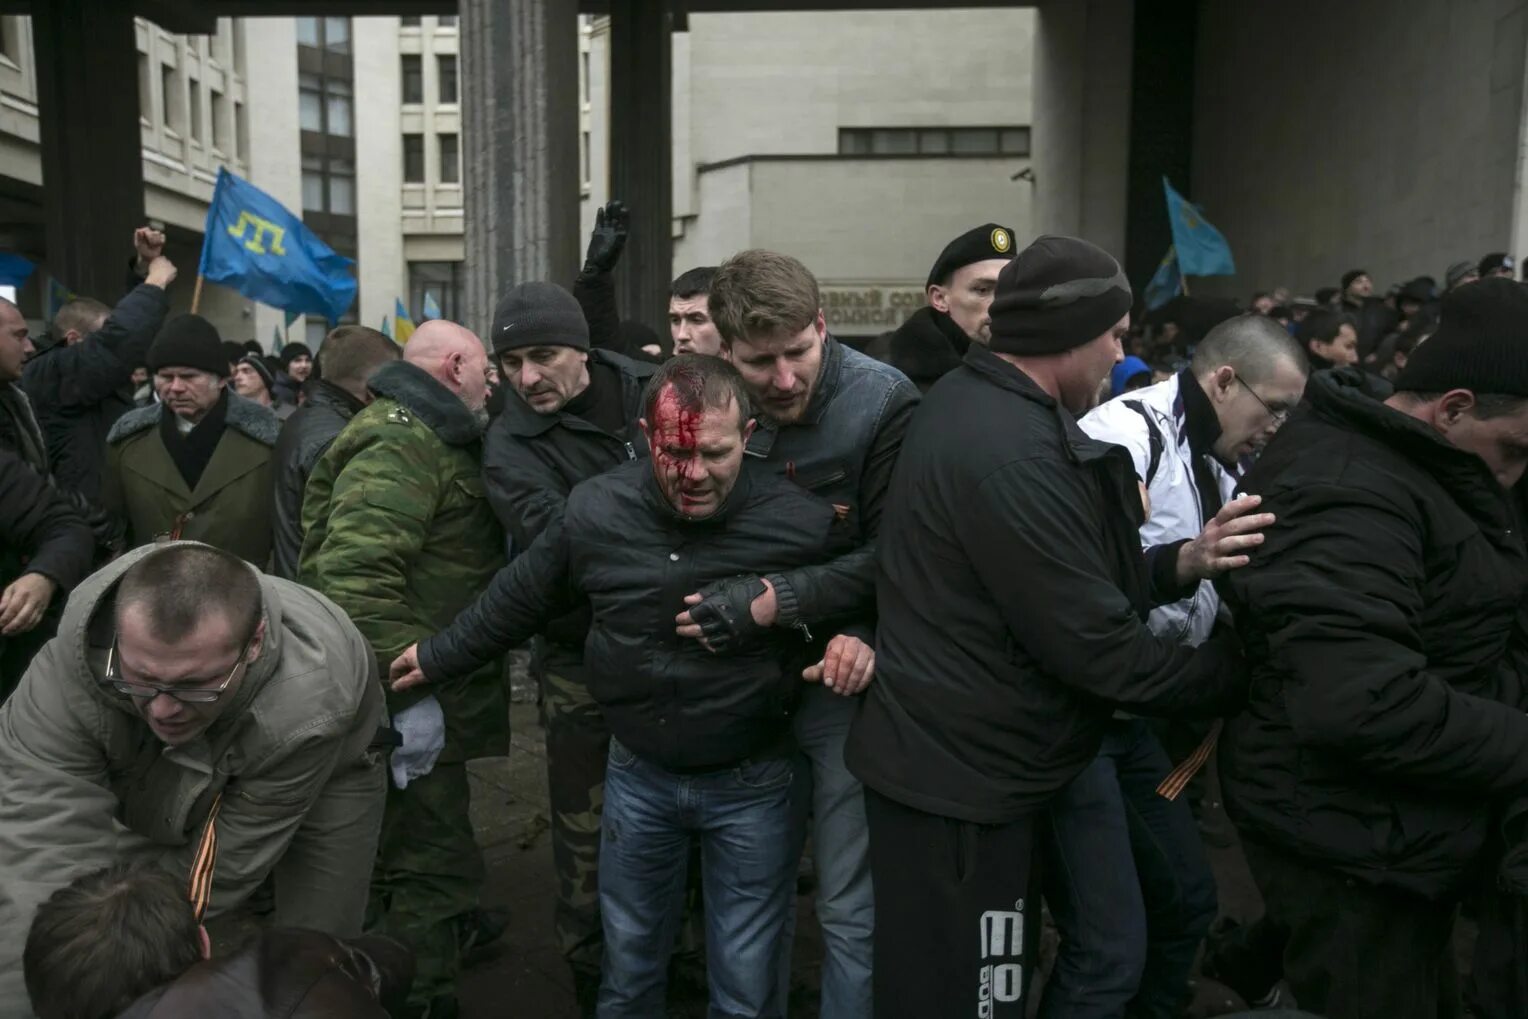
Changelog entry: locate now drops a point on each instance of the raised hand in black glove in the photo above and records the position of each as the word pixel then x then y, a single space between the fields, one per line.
pixel 720 615
pixel 611 225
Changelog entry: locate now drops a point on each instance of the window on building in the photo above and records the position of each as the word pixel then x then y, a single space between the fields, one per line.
pixel 337 35
pixel 583 157
pixel 933 141
pixel 413 158
pixel 169 99
pixel 194 93
pixel 440 280
pixel 339 104
pixel 145 89
pixel 342 187
pixel 310 102
pixel 240 131
pixel 307 32
pixel 219 107
pixel 312 184
pixel 445 65
pixel 583 77
pixel 413 78
pixel 238 45
pixel 447 21
pixel 450 160
pixel 409 21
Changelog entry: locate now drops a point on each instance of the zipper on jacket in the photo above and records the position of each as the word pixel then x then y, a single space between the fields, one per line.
pixel 805 632
pixel 631 451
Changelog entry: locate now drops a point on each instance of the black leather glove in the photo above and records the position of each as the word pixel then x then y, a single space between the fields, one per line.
pixel 110 530
pixel 611 225
pixel 725 615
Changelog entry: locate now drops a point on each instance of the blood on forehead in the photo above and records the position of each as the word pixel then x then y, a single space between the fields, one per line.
pixel 676 417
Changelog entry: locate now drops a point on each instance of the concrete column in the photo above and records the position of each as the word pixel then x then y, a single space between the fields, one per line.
pixel 519 78
pixel 92 165
pixel 641 153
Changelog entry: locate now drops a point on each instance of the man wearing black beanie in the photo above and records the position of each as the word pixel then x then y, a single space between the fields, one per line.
pixel 959 290
pixel 1378 734
pixel 197 464
pixel 1012 597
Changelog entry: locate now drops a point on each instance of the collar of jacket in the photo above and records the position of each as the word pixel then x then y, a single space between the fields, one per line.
pixel 666 512
pixel 441 410
pixel 15 404
pixel 1200 423
pixel 526 423
pixel 763 439
pixel 1081 448
pixel 327 394
pixel 928 344
pixel 89 626
pixel 1353 398
pixel 244 416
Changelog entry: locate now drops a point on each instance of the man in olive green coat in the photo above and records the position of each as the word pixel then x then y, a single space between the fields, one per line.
pixel 399 533
pixel 196 465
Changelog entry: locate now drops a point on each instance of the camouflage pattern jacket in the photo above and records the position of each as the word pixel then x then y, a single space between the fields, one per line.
pixel 397 530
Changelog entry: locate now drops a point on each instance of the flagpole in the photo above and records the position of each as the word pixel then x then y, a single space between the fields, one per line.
pixel 196 295
pixel 1183 282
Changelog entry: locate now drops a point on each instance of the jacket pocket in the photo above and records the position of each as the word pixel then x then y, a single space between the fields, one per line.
pixel 620 757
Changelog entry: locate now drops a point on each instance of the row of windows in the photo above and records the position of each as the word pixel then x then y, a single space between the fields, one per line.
pixel 413 21
pixel 445 78
pixel 332 34
pixel 181 110
pixel 450 158
pixel 933 141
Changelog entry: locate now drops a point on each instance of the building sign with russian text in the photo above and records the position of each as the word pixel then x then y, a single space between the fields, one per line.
pixel 869 308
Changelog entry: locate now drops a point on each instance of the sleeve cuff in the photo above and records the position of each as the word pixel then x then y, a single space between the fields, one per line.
pixel 1162 562
pixel 787 604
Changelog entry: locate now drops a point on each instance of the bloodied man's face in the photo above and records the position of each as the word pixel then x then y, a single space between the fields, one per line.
pixel 697 451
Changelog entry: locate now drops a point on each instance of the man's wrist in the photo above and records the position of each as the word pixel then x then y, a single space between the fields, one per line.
pixel 787 605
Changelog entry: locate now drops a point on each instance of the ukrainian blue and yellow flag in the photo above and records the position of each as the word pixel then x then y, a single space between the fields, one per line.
pixel 403 326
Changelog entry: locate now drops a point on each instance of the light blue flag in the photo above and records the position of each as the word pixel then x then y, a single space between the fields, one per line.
pixel 277 345
pixel 431 309
pixel 1166 283
pixel 387 330
pixel 14 270
pixel 1202 251
pixel 255 245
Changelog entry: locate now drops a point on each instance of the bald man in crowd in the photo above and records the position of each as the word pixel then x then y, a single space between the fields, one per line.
pixel 398 532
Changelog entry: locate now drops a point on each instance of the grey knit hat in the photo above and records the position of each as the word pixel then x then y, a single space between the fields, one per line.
pixel 539 315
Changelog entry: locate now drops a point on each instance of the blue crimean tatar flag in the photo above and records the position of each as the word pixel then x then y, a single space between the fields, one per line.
pixel 14 270
pixel 253 244
pixel 1202 250
pixel 431 308
pixel 1166 283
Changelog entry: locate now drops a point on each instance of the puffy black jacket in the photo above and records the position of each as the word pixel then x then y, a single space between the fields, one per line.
pixel 621 546
pixel 79 391
pixel 925 348
pixel 1376 617
pixel 532 461
pixel 1012 596
pixel 304 437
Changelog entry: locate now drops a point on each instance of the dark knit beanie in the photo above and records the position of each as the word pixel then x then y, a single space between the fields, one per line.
pixel 1057 294
pixel 291 352
pixel 1496 260
pixel 1481 343
pixel 1351 275
pixel 261 369
pixel 539 315
pixel 975 245
pixel 188 341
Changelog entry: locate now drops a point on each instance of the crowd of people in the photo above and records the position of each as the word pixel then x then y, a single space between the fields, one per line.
pixel 960 617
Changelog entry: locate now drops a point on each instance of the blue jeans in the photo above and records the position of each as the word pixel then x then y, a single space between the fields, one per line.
pixel 835 801
pixel 1128 883
pixel 741 817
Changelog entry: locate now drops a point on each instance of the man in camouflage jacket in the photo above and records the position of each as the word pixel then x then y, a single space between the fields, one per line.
pixel 398 531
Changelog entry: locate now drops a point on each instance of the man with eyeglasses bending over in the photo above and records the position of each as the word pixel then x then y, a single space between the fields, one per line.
pixel 186 690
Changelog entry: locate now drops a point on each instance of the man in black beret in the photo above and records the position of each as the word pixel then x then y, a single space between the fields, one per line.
pixel 959 289
pixel 1380 728
pixel 1012 596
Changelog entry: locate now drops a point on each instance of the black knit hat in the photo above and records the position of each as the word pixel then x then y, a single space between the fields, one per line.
pixel 1481 343
pixel 539 315
pixel 1057 294
pixel 263 370
pixel 1351 275
pixel 1496 260
pixel 188 341
pixel 291 352
pixel 975 245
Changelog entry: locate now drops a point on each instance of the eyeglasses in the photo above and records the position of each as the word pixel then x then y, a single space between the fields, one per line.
pixel 186 695
pixel 1279 416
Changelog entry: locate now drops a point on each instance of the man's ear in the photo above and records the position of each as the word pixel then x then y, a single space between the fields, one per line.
pixel 646 432
pixel 1452 407
pixel 748 429
pixel 821 324
pixel 256 642
pixel 939 298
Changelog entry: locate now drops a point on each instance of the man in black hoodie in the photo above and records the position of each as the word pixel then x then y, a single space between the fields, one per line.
pixel 1382 720
pixel 1012 600
pixel 959 289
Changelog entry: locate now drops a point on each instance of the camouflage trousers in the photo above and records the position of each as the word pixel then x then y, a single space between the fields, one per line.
pixel 577 744
pixel 429 871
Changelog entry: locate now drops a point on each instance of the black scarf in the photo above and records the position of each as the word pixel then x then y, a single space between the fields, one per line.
pixel 193 451
pixel 1201 425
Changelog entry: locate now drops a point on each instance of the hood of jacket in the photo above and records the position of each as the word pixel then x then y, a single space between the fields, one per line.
pixel 244 416
pixel 442 411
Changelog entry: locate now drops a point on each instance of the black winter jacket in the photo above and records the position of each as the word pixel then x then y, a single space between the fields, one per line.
pixel 1012 597
pixel 79 392
pixel 925 348
pixel 621 546
pixel 304 437
pixel 532 461
pixel 1381 719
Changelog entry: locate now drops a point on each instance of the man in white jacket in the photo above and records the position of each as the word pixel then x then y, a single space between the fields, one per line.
pixel 1140 852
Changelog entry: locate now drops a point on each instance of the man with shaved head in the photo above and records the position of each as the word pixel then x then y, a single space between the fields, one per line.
pixel 398 531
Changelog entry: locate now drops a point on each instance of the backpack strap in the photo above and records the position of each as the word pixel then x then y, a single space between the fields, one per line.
pixel 1154 437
